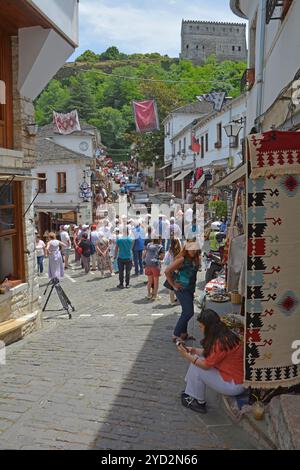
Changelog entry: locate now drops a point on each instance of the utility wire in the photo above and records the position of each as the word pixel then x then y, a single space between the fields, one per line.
pixel 153 80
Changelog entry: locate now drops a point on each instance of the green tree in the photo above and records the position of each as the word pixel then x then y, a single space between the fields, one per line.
pixel 54 98
pixel 81 97
pixel 112 127
pixel 88 56
pixel 219 208
pixel 112 53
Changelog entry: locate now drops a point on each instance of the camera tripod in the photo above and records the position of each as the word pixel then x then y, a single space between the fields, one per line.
pixel 65 301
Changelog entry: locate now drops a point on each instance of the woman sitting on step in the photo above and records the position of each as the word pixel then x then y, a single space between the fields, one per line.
pixel 219 365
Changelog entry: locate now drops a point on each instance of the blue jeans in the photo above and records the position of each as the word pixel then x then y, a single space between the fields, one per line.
pixel 138 261
pixel 124 264
pixel 40 263
pixel 186 299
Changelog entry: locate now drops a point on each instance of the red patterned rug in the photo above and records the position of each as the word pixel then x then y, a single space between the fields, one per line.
pixel 274 153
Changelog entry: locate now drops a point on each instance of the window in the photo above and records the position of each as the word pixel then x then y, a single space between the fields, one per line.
pixel 187 46
pixel 197 47
pixel 206 142
pixel 202 147
pixel 184 145
pixel 219 134
pixel 180 146
pixel 42 184
pixel 11 232
pixel 240 48
pixel 233 48
pixel 237 30
pixel 61 183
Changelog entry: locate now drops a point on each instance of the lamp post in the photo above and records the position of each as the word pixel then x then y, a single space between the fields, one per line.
pixel 234 127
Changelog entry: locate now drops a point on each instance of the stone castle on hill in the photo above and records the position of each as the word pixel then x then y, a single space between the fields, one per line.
pixel 201 39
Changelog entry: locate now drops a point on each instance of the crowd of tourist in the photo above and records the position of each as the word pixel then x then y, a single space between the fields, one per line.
pixel 155 248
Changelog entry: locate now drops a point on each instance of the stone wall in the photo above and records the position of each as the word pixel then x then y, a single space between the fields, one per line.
pixel 199 40
pixel 24 299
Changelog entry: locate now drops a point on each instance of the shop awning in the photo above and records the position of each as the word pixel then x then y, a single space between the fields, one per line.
pixel 221 163
pixel 55 210
pixel 166 166
pixel 235 175
pixel 172 176
pixel 7 178
pixel 200 182
pixel 183 175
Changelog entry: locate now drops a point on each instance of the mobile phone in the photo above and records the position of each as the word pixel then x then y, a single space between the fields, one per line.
pixel 180 343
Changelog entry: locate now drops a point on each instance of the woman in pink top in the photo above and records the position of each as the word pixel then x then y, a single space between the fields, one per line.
pixel 219 365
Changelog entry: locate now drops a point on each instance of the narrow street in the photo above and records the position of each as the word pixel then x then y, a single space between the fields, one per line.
pixel 110 378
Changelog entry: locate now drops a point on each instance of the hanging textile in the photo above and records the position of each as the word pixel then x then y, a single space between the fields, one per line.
pixel 67 123
pixel 146 116
pixel 273 287
pixel 196 146
pixel 274 153
pixel 217 99
pixel 235 264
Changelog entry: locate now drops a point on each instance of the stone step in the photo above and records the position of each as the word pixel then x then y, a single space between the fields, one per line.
pixel 14 329
pixel 241 414
pixel 9 326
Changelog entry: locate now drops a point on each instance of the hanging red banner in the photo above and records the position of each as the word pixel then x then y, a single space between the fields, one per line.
pixel 146 116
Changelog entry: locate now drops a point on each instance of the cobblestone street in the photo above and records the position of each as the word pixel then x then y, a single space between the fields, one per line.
pixel 110 378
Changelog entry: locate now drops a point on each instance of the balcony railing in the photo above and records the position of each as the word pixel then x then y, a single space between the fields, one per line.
pixel 277 9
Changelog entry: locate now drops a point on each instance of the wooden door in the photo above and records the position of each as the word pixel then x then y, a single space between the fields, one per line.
pixel 6 110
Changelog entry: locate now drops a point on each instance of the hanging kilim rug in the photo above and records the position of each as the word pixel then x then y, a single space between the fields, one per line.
pixel 274 153
pixel 273 282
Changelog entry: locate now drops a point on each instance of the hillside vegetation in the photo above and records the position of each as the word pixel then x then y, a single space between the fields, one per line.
pixel 102 86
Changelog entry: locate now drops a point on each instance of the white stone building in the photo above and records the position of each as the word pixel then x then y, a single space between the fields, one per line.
pixel 66 162
pixel 217 154
pixel 36 38
pixel 273 72
pixel 174 123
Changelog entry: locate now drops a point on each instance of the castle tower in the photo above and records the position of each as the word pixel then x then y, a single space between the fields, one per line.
pixel 201 39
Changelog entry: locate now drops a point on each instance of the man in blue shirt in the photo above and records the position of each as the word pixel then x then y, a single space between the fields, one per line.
pixel 224 224
pixel 138 248
pixel 124 256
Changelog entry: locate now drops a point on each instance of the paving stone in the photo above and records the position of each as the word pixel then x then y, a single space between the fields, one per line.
pixel 105 382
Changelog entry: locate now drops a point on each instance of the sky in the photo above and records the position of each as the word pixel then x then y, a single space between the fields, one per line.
pixel 143 25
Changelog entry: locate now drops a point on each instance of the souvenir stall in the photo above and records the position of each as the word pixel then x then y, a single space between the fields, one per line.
pixel 230 285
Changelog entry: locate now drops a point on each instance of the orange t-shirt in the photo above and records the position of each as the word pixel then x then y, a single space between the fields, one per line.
pixel 230 364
